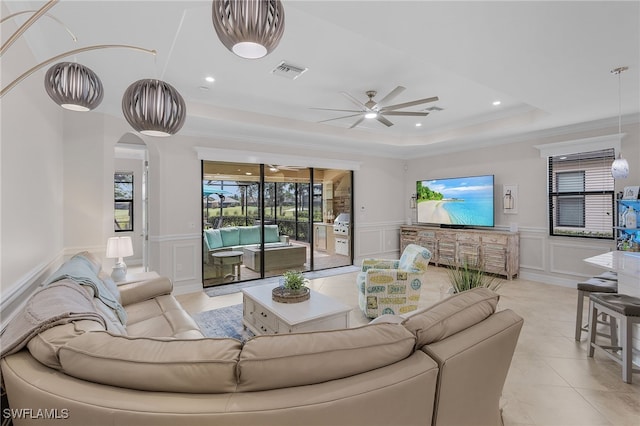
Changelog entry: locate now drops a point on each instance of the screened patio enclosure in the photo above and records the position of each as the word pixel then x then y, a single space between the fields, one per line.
pixel 260 220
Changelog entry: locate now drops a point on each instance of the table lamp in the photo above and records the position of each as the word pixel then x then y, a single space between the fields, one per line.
pixel 117 248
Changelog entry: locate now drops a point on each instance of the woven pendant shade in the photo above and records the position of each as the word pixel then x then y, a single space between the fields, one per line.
pixel 73 86
pixel 153 107
pixel 249 28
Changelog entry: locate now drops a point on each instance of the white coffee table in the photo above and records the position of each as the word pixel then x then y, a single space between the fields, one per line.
pixel 262 315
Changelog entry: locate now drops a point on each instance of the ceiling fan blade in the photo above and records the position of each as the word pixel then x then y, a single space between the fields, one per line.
pixel 392 94
pixel 408 104
pixel 406 113
pixel 384 121
pixel 339 118
pixel 354 100
pixel 331 109
pixel 357 122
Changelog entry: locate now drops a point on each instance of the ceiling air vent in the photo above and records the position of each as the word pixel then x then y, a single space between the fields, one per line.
pixel 288 71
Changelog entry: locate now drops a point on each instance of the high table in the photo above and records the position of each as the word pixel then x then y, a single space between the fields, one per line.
pixel 627 265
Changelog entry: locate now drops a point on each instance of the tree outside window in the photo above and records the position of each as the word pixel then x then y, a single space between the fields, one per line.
pixel 123 201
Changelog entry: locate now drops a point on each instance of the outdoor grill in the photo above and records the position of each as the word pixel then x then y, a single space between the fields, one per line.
pixel 341 234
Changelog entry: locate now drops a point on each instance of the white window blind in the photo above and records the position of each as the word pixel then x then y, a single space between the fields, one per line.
pixel 581 194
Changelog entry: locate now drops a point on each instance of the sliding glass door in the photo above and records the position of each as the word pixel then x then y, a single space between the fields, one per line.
pixel 260 220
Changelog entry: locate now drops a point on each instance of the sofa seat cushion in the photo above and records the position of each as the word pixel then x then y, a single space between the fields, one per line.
pixel 451 315
pixel 163 365
pixel 162 316
pixel 285 360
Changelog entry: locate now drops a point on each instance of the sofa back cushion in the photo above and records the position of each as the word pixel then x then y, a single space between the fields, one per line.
pixel 271 234
pixel 285 360
pixel 249 235
pixel 230 236
pixel 163 365
pixel 451 315
pixel 213 238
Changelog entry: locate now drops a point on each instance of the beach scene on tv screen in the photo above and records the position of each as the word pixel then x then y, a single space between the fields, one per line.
pixel 456 201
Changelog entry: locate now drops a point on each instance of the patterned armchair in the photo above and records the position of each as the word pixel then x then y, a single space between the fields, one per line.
pixel 392 286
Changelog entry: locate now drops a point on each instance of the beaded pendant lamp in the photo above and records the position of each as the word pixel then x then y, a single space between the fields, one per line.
pixel 249 28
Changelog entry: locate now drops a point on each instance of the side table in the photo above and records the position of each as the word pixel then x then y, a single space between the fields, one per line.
pixel 232 258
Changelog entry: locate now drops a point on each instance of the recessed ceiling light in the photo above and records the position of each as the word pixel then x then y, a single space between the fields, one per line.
pixel 496 103
pixel 210 79
pixel 248 173
pixel 563 158
pixel 418 124
pixel 371 115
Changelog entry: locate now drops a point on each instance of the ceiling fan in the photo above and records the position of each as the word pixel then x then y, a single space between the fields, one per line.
pixel 379 110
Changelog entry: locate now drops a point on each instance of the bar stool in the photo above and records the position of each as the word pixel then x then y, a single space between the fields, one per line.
pixel 608 275
pixel 593 285
pixel 626 310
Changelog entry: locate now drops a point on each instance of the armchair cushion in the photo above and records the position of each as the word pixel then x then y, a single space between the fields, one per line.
pixel 392 286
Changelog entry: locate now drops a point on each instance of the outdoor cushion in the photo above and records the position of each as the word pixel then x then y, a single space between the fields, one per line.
pixel 271 234
pixel 249 235
pixel 214 239
pixel 230 236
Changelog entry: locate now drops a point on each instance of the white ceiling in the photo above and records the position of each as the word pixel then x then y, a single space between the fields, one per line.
pixel 547 62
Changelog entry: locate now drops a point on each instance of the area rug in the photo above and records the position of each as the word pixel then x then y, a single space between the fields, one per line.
pixel 236 287
pixel 223 322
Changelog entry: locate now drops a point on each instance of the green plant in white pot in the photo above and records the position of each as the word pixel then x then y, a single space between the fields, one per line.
pixel 470 275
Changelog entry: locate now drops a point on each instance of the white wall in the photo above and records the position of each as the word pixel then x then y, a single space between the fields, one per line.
pixel 555 259
pixel 31 181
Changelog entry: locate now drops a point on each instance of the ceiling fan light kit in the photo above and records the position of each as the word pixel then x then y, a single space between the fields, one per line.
pixel 73 86
pixel 154 108
pixel 249 28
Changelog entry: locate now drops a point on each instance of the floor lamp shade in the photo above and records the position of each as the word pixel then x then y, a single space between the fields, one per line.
pixel 118 248
pixel 154 108
pixel 73 86
pixel 249 28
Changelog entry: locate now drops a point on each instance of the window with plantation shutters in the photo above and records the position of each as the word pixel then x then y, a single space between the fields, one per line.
pixel 581 194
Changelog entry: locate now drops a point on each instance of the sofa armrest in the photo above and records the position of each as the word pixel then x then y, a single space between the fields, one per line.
pixel 144 290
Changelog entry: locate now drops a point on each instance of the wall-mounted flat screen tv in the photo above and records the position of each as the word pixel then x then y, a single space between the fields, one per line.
pixel 456 202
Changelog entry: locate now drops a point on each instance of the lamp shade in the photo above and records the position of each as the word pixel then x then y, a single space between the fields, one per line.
pixel 620 168
pixel 153 107
pixel 73 86
pixel 249 28
pixel 118 247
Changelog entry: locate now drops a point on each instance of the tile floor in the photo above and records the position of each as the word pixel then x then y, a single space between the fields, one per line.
pixel 551 380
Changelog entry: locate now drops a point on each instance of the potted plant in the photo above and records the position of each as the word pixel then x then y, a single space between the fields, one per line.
pixel 293 288
pixel 469 275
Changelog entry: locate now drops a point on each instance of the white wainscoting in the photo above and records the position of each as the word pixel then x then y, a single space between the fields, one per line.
pixel 178 257
pixel 377 240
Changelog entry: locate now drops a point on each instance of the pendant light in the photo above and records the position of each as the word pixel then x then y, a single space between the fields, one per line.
pixel 620 166
pixel 73 86
pixel 249 28
pixel 153 107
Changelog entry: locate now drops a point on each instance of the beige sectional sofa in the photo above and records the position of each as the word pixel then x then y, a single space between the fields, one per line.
pixel 445 365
